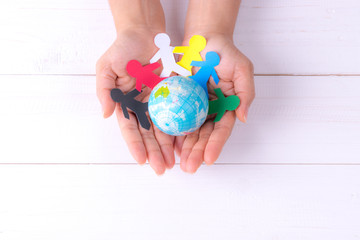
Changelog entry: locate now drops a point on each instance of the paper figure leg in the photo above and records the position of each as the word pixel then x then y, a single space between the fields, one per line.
pixel 165 73
pixel 143 120
pixel 125 111
pixel 219 115
pixel 203 84
pixel 142 117
pixel 181 71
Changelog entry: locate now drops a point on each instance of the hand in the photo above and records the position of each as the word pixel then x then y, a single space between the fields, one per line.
pixel 143 144
pixel 236 78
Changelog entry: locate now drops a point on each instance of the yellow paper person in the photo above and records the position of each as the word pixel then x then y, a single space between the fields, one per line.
pixel 192 52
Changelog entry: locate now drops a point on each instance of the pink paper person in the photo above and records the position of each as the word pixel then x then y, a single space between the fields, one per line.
pixel 165 53
pixel 143 74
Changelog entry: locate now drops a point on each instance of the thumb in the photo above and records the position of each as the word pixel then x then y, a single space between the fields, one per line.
pixel 105 81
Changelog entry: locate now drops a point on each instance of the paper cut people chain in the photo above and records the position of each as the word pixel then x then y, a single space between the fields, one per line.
pixel 191 57
pixel 143 74
pixel 128 101
pixel 191 53
pixel 222 104
pixel 206 70
pixel 165 53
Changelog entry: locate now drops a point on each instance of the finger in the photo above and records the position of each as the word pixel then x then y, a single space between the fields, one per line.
pixel 166 143
pixel 130 131
pixel 179 141
pixel 105 81
pixel 244 88
pixel 154 154
pixel 187 146
pixel 222 131
pixel 196 156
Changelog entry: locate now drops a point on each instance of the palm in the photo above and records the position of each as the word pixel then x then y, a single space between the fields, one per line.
pixel 138 46
pixel 151 144
pixel 235 74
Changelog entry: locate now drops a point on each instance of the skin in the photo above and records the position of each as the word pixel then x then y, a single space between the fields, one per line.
pixel 216 22
pixel 136 29
pixel 137 22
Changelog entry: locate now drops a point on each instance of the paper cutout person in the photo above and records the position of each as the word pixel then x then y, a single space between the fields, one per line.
pixel 165 53
pixel 222 104
pixel 207 70
pixel 191 53
pixel 128 101
pixel 143 74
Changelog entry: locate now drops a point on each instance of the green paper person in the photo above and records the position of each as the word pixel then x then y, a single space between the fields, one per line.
pixel 222 104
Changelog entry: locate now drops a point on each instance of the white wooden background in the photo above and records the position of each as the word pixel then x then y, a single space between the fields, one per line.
pixel 292 172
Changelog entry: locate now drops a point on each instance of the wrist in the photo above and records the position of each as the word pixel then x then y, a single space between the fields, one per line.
pixel 210 18
pixel 137 15
pixel 208 30
pixel 142 29
pixel 208 34
pixel 142 25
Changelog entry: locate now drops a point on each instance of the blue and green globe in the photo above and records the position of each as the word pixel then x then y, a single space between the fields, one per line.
pixel 178 105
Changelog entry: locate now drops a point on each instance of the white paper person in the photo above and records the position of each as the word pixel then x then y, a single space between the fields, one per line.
pixel 165 53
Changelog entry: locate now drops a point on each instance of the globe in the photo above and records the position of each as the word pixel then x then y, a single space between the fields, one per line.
pixel 178 105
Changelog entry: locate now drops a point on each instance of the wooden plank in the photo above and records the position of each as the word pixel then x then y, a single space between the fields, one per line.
pixel 57 119
pixel 281 37
pixel 221 202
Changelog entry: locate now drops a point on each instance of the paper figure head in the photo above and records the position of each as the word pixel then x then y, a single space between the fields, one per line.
pixel 232 102
pixel 162 39
pixel 133 66
pixel 212 58
pixel 197 42
pixel 117 95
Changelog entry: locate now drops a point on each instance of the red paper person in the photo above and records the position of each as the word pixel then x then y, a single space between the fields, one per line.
pixel 143 74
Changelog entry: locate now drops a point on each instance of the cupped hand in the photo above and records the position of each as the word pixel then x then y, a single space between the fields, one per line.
pixel 111 73
pixel 235 72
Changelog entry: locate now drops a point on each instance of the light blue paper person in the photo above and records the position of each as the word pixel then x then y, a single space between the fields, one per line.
pixel 207 70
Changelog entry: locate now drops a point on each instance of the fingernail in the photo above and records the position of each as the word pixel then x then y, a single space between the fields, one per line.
pixel 103 111
pixel 245 115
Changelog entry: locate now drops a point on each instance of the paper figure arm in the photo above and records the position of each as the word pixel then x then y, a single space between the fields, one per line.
pixel 151 67
pixel 219 94
pixel 138 85
pixel 215 77
pixel 180 50
pixel 219 115
pixel 198 63
pixel 125 111
pixel 156 57
pixel 132 94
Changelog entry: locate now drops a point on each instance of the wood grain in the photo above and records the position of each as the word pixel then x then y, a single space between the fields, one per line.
pixel 291 172
pixel 280 37
pixel 222 202
pixel 57 119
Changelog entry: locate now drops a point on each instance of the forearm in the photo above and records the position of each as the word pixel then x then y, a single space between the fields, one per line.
pixel 206 17
pixel 137 14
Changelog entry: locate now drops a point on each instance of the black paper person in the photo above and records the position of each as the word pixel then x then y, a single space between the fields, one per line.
pixel 128 101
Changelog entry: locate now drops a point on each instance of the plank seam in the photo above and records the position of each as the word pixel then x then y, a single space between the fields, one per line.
pixel 216 164
pixel 256 75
